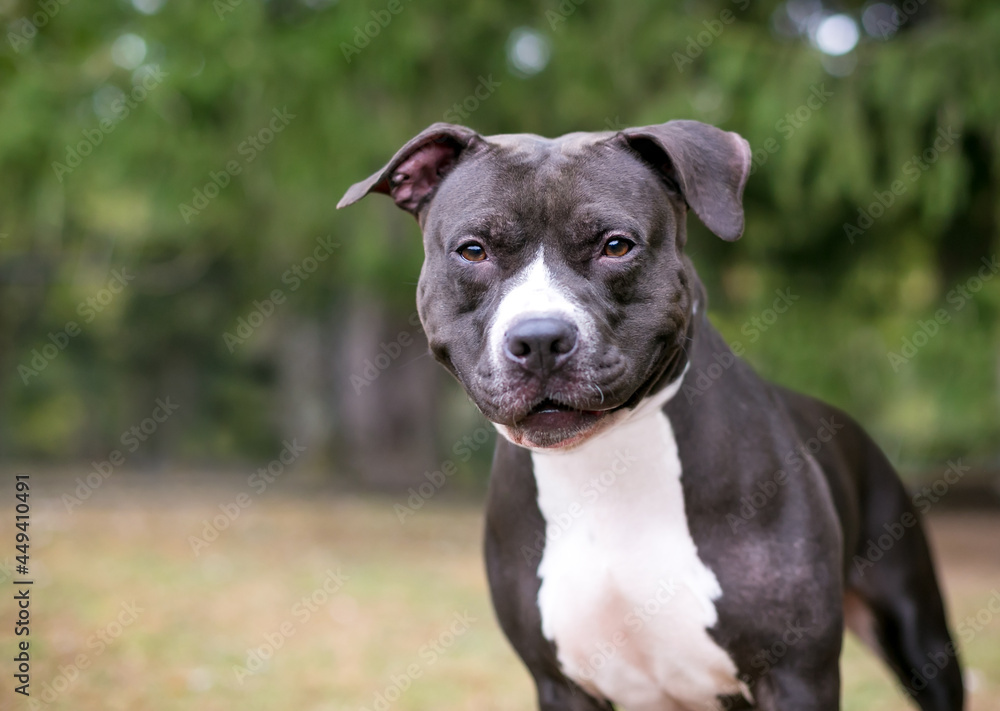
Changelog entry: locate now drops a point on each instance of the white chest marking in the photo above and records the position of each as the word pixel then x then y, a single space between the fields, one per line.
pixel 624 595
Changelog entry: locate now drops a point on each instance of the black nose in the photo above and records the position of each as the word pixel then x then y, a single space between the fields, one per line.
pixel 540 344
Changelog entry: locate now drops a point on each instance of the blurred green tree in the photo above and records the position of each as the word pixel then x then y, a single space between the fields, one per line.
pixel 199 150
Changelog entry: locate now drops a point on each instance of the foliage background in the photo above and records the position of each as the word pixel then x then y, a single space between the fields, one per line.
pixel 313 370
pixel 229 65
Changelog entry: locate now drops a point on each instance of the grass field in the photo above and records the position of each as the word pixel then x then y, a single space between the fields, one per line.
pixel 126 616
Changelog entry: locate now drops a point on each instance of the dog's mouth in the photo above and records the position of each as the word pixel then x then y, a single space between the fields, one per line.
pixel 550 407
pixel 551 423
pixel 565 413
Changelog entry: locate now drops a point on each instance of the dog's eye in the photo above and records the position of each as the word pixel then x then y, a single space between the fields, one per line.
pixel 472 252
pixel 617 247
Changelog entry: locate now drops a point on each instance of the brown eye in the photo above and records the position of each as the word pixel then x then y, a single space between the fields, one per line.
pixel 472 252
pixel 618 247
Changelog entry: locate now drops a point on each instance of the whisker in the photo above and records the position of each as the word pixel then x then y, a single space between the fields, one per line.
pixel 420 357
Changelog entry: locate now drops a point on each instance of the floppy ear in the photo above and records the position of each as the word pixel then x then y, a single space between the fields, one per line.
pixel 709 166
pixel 417 168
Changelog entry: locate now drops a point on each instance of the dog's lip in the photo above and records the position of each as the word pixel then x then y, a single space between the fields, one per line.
pixel 552 423
pixel 548 405
pixel 556 427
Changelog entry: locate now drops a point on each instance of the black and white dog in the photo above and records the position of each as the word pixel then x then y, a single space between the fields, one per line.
pixel 652 543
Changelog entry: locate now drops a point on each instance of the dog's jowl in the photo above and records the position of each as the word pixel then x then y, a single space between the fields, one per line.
pixel 556 290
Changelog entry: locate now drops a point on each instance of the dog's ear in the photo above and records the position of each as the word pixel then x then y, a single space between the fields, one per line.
pixel 417 168
pixel 708 165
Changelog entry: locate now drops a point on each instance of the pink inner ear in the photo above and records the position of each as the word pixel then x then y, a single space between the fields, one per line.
pixel 416 177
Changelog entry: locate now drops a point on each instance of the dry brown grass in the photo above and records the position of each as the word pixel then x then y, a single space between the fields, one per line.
pixel 200 614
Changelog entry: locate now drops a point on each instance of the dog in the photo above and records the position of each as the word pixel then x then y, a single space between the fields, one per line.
pixel 655 540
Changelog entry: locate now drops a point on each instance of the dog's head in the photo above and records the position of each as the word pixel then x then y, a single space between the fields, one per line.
pixel 554 286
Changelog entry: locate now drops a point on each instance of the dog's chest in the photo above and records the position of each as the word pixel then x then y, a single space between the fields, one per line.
pixel 624 595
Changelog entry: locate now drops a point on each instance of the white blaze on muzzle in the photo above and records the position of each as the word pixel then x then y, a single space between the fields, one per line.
pixel 534 293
